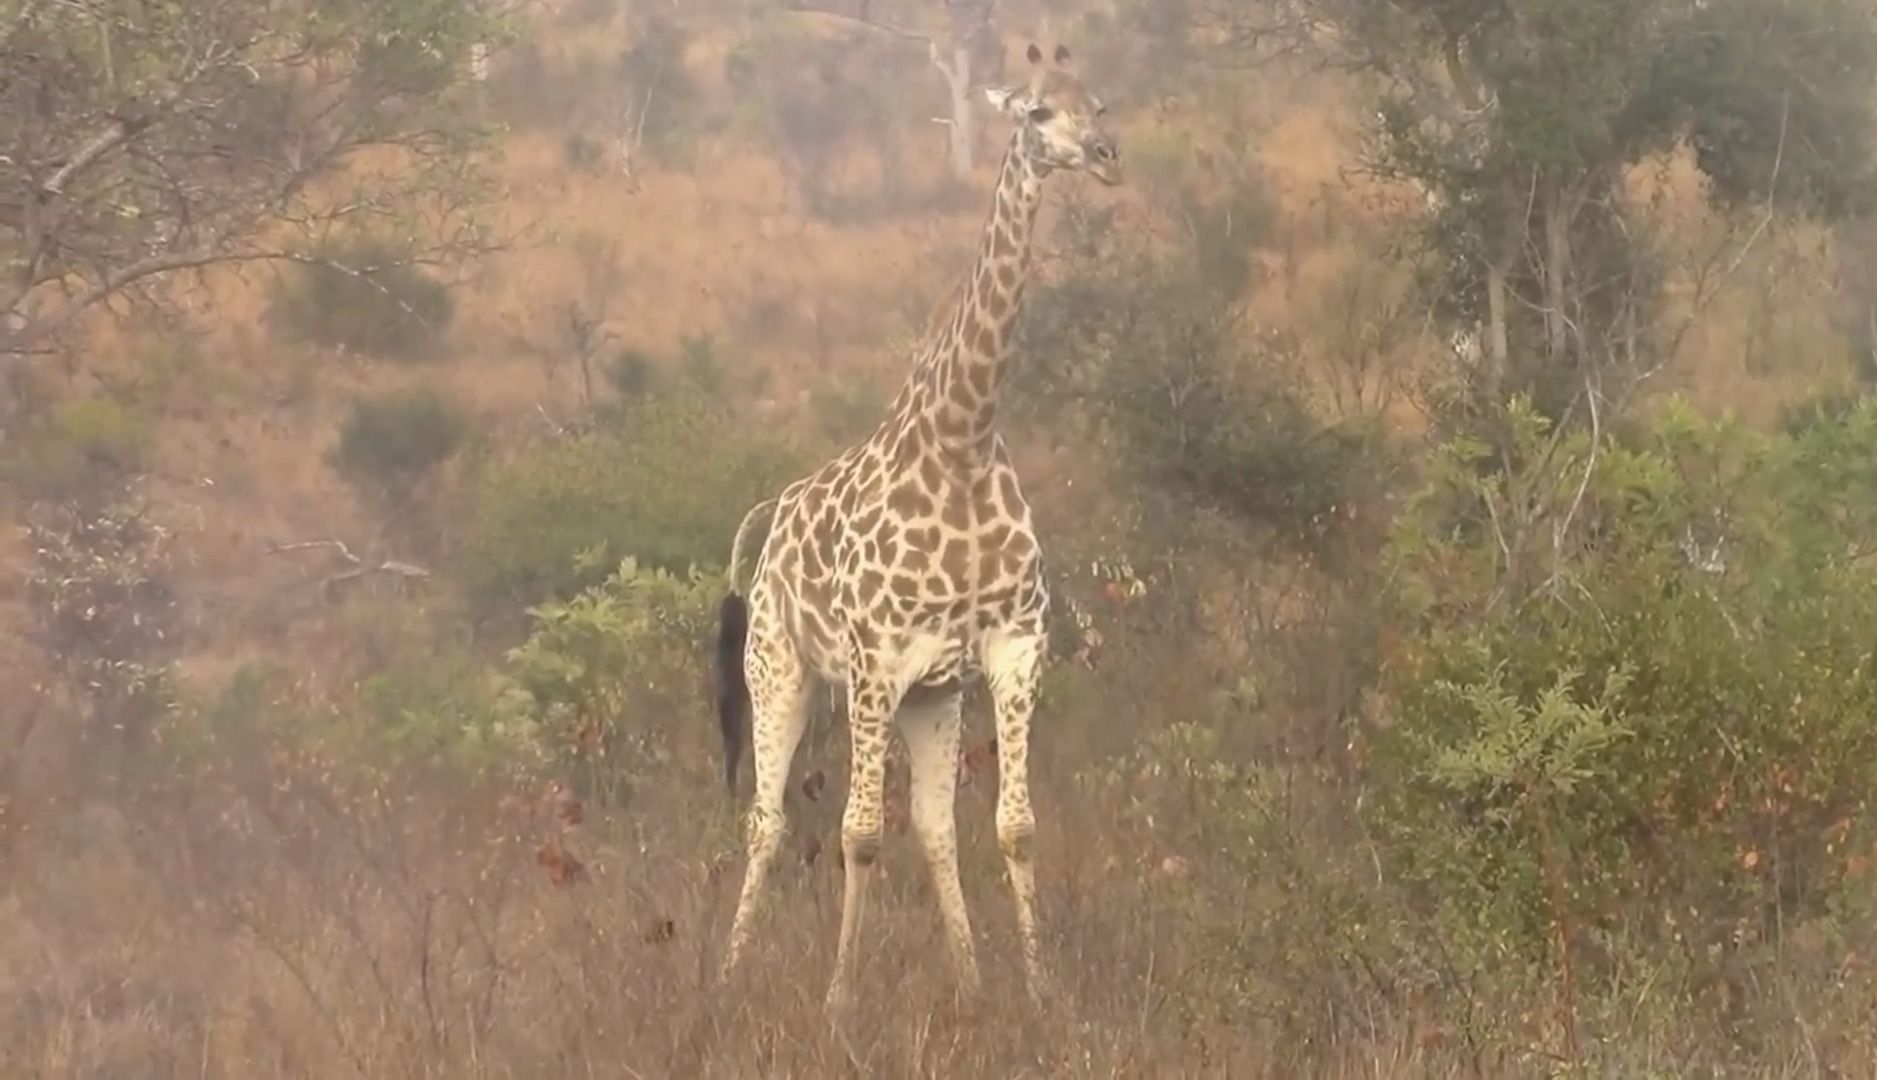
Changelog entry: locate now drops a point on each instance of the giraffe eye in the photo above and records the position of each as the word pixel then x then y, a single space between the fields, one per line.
pixel 1041 114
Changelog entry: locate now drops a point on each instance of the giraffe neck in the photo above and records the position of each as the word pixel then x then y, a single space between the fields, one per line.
pixel 956 387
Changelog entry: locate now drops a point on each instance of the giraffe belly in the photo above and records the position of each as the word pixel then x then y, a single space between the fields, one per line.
pixel 938 660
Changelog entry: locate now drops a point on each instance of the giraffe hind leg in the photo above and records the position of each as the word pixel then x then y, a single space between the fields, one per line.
pixel 1013 666
pixel 931 728
pixel 871 701
pixel 779 688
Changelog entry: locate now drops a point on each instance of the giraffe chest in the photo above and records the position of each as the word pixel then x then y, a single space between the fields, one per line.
pixel 915 573
pixel 938 554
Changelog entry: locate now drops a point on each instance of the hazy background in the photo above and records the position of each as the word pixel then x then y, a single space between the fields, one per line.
pixel 1453 449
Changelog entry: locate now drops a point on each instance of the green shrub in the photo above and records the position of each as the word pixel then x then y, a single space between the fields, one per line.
pixel 581 152
pixel 83 447
pixel 1636 708
pixel 1155 355
pixel 631 373
pixel 600 670
pixel 444 707
pixel 357 298
pixel 389 444
pixel 665 483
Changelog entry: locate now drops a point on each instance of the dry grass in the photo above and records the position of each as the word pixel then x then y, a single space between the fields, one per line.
pixel 276 922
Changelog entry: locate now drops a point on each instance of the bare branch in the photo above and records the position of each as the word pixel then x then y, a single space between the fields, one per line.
pixel 866 20
pixel 120 132
pixel 117 281
pixel 359 568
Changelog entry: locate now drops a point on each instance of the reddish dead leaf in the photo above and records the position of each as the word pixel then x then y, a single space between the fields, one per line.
pixel 588 734
pixel 976 759
pixel 898 814
pixel 562 868
pixel 812 785
pixel 1749 860
pixel 570 810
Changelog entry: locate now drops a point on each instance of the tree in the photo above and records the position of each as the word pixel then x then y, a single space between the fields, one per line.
pixel 143 139
pixel 1519 118
pixel 968 54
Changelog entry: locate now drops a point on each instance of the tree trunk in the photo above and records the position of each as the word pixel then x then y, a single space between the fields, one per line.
pixel 1502 376
pixel 1556 211
pixel 964 130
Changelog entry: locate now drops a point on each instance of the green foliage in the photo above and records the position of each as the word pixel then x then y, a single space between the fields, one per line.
pixel 631 373
pixel 242 121
pixel 83 448
pixel 601 669
pixel 389 444
pixel 446 708
pixel 1712 583
pixel 581 152
pixel 1521 117
pixel 411 47
pixel 1776 99
pixel 362 298
pixel 1156 354
pixel 665 483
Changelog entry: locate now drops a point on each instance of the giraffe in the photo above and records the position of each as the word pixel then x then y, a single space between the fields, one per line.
pixel 909 565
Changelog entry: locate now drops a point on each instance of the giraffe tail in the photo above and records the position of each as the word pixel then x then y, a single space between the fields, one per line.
pixel 733 699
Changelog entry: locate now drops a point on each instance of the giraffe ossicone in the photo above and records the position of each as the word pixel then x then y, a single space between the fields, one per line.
pixel 909 565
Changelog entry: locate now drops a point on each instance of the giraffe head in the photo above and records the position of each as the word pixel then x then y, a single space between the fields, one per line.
pixel 1063 117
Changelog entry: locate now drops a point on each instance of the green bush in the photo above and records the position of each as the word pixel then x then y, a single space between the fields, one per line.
pixel 665 483
pixel 82 447
pixel 1635 702
pixel 357 298
pixel 1155 355
pixel 599 670
pixel 631 373
pixel 389 444
pixel 582 153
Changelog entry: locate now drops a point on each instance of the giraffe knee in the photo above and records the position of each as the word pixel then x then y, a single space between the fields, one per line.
pixel 861 848
pixel 1013 837
pixel 765 830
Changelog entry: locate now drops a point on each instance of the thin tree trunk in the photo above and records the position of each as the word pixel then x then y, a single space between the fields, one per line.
pixel 1557 270
pixel 964 129
pixel 1498 270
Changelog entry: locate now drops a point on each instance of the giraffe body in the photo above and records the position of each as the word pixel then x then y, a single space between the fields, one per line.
pixel 909 566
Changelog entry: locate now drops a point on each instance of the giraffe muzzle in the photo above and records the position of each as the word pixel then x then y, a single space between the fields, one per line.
pixel 1104 161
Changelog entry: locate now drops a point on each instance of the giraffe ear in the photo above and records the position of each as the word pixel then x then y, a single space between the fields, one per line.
pixel 1062 55
pixel 1035 54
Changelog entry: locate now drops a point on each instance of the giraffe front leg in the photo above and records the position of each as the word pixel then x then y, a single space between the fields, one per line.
pixel 779 687
pixel 870 705
pixel 1013 666
pixel 931 730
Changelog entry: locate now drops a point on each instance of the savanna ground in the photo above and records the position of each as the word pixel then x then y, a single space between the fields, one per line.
pixel 1405 720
